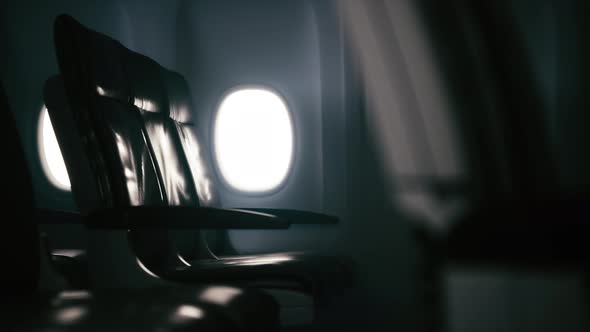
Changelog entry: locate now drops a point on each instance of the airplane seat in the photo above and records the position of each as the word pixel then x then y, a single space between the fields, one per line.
pixel 149 98
pixel 134 99
pixel 250 308
pixel 126 176
pixel 186 181
pixel 26 306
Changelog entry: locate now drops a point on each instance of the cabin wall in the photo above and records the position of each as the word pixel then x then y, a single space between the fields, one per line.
pixel 269 43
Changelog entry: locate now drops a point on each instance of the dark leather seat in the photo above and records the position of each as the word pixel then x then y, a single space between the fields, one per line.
pixel 26 307
pixel 135 121
pixel 119 127
pixel 253 309
pixel 161 105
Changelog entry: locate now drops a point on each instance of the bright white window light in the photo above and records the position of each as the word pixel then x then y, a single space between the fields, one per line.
pixel 253 139
pixel 51 157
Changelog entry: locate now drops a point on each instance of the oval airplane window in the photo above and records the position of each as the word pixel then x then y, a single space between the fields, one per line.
pixel 253 139
pixel 50 154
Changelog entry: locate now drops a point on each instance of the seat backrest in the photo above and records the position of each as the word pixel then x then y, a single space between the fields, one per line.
pixel 181 108
pixel 162 98
pixel 104 111
pixel 151 101
pixel 87 193
pixel 133 118
pixel 112 88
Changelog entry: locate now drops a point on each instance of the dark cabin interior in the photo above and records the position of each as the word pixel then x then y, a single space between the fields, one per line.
pixel 295 165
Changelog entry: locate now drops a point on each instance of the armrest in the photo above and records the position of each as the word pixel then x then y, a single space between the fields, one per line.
pixel 183 217
pixel 299 217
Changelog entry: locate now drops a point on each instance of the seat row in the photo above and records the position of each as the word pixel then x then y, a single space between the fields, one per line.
pixel 139 170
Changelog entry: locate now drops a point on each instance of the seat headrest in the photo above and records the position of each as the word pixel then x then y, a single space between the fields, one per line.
pixel 148 91
pixel 107 68
pixel 179 97
pixel 90 59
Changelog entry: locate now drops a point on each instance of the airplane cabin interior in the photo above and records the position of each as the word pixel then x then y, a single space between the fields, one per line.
pixel 295 165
